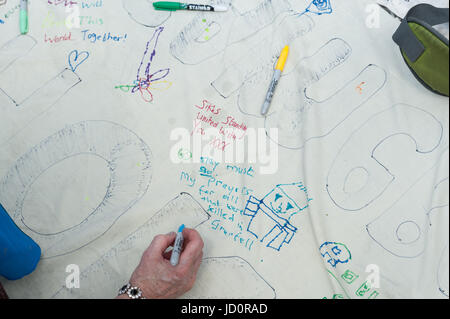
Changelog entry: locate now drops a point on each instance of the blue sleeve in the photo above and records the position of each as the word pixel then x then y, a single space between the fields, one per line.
pixel 19 254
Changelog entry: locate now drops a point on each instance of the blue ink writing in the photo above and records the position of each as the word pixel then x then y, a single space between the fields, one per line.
pixel 76 58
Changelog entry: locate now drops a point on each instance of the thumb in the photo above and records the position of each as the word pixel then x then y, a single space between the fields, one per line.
pixel 161 242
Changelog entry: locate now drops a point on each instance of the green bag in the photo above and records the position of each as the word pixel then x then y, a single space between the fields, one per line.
pixel 425 49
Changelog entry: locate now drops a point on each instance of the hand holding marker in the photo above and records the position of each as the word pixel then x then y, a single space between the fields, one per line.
pixel 174 6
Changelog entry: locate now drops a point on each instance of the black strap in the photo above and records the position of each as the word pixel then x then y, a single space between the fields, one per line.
pixel 406 38
pixel 429 14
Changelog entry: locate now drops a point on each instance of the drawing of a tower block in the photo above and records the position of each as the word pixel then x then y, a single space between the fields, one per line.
pixel 271 216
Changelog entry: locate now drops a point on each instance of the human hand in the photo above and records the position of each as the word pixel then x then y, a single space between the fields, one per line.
pixel 157 278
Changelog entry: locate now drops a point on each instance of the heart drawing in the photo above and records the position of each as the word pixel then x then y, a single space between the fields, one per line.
pixel 76 58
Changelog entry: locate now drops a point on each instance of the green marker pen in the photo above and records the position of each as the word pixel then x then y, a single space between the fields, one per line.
pixel 174 6
pixel 23 16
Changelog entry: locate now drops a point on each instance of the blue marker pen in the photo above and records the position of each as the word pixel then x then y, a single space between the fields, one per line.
pixel 177 247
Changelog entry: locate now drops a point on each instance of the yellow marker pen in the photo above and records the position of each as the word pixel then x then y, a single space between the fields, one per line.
pixel 276 77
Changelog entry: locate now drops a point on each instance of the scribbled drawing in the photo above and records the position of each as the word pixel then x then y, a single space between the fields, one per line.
pixel 76 58
pixel 145 89
pixel 114 268
pixel 404 228
pixel 319 7
pixel 127 157
pixel 271 217
pixel 195 44
pixel 282 199
pixel 145 81
pixel 238 280
pixel 363 289
pixel 349 276
pixel 335 253
pixel 357 178
pixel 278 230
pixel 443 278
pixel 126 87
pixel 184 154
pixel 261 56
pixel 142 12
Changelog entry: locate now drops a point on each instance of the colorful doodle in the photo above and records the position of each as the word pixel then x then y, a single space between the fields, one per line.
pixel 349 276
pixel 76 58
pixel 365 290
pixel 335 253
pixel 271 217
pixel 144 83
pixel 184 154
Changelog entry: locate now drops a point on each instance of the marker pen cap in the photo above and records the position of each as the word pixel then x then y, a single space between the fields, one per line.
pixel 282 59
